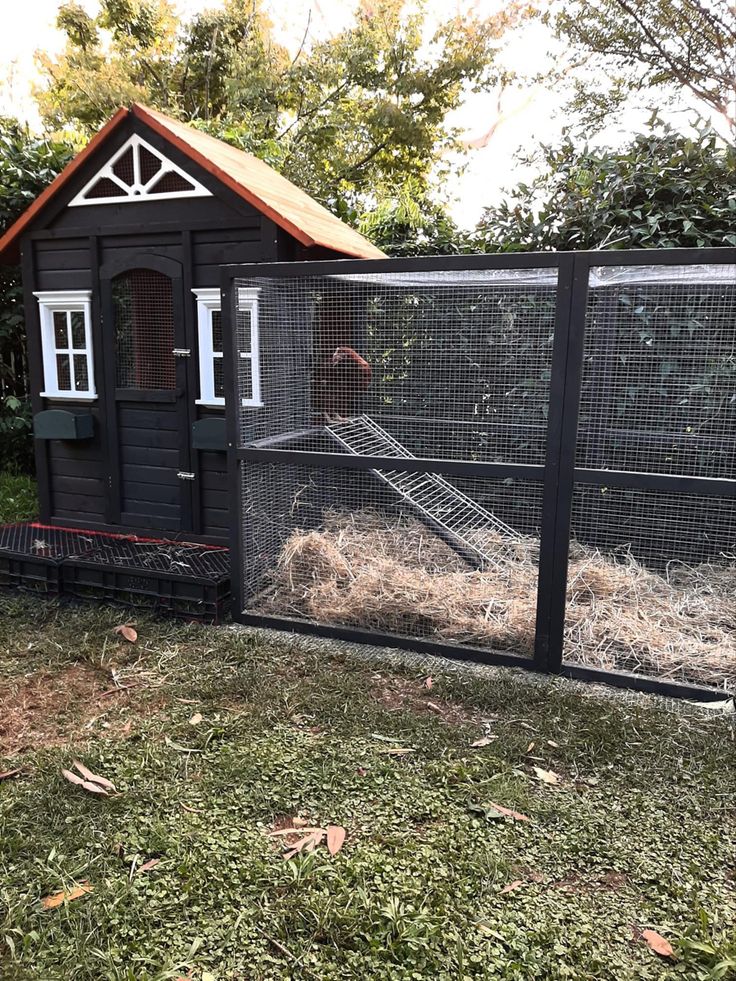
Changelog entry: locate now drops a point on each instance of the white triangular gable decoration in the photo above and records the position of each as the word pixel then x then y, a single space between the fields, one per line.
pixel 138 172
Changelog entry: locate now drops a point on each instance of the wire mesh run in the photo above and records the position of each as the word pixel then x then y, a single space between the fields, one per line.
pixel 341 547
pixel 659 371
pixel 651 584
pixel 452 366
pixel 144 329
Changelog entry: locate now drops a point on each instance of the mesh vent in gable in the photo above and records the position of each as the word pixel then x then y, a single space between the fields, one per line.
pixel 104 188
pixel 148 164
pixel 123 168
pixel 171 183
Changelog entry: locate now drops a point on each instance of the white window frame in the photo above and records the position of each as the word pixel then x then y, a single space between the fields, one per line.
pixel 68 302
pixel 138 191
pixel 208 301
pixel 248 300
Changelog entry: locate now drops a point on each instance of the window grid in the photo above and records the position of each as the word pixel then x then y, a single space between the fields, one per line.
pixel 66 344
pixel 211 355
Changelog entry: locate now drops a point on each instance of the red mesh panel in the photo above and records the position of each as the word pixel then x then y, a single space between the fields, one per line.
pixel 144 327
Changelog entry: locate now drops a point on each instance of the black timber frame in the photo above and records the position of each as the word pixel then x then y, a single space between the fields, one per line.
pixel 558 475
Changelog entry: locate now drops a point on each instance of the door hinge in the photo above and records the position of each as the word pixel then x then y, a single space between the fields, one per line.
pixel 181 352
pixel 183 475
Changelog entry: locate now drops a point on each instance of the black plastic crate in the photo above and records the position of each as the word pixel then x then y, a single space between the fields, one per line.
pixel 31 555
pixel 182 579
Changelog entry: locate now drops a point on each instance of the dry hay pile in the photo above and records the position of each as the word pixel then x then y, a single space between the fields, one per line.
pixel 400 578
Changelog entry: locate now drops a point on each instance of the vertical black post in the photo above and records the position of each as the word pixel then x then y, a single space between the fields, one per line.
pixel 229 308
pixel 560 477
pixel 191 342
pixel 101 356
pixel 558 379
pixel 108 402
pixel 35 373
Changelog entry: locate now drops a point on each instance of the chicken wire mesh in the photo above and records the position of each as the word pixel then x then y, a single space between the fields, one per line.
pixel 343 548
pixel 456 365
pixel 143 305
pixel 650 586
pixel 659 372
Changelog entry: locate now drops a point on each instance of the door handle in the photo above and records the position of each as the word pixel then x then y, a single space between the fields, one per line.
pixel 183 475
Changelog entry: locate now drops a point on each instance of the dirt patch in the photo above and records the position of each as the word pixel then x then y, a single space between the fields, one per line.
pixel 54 707
pixel 401 694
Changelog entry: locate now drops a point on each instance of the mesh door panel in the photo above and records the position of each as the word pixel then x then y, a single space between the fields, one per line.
pixel 144 329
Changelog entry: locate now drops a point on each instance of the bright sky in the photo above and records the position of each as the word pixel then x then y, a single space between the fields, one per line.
pixel 526 117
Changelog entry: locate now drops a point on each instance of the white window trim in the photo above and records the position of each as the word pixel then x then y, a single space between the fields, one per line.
pixel 138 191
pixel 248 300
pixel 65 301
pixel 208 300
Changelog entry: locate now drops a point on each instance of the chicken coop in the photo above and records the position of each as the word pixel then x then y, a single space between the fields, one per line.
pixel 525 460
pixel 120 259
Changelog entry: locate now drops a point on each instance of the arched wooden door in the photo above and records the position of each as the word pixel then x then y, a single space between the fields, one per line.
pixel 148 439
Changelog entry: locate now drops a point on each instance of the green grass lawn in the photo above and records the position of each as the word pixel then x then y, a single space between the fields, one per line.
pixel 17 498
pixel 639 833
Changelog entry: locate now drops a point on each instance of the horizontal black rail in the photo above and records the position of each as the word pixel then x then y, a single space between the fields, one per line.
pixel 407 464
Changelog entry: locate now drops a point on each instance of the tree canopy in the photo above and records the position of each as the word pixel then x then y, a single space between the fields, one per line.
pixel 654 50
pixel 365 107
pixel 663 190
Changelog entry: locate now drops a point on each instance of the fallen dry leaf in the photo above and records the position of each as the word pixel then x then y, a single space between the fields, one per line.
pixel 530 747
pixel 484 741
pixel 428 682
pixel 93 788
pixel 280 832
pixel 196 719
pixel 151 863
pixel 546 776
pixel 127 633
pixel 434 706
pixel 335 838
pixel 300 822
pixel 89 775
pixel 658 944
pixel 51 902
pixel 512 885
pixel 553 744
pixel 8 774
pixel 507 812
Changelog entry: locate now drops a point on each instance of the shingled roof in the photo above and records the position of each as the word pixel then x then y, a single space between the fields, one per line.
pixel 250 178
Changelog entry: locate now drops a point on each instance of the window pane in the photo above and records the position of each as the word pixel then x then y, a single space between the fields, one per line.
pixel 61 339
pixel 216 331
pixel 63 373
pixel 81 375
pixel 78 333
pixel 218 368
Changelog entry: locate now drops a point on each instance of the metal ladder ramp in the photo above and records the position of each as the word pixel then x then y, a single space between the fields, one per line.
pixel 453 515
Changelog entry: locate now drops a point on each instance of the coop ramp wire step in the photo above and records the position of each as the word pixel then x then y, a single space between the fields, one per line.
pixel 455 517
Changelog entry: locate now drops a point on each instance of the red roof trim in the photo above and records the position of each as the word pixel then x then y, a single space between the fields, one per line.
pixel 9 241
pixel 186 148
pixel 344 240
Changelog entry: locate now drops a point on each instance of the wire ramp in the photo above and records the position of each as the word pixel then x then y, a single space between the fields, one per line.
pixel 454 516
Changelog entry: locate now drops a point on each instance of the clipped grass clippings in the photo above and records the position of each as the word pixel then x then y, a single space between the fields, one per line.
pixel 289 833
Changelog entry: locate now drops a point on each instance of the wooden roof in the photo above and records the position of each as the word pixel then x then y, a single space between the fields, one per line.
pixel 250 178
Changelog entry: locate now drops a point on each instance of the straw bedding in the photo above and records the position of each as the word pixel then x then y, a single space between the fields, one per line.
pixel 396 576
